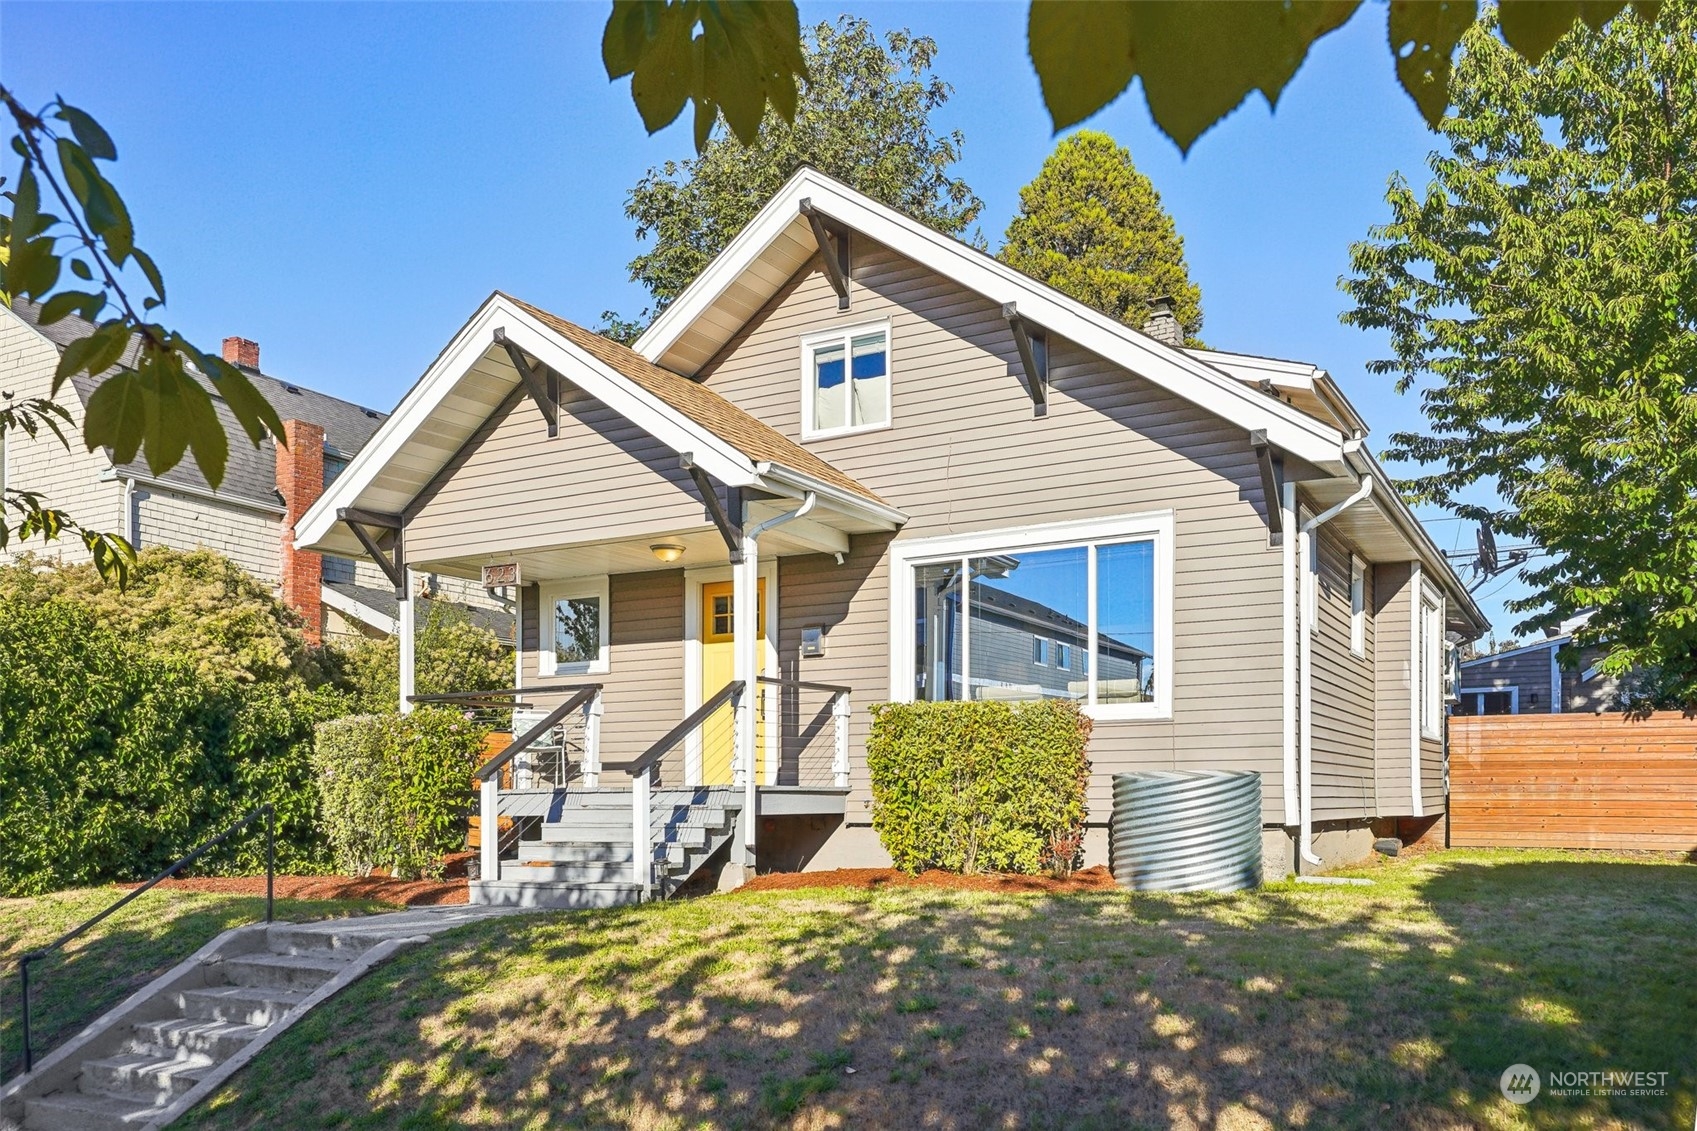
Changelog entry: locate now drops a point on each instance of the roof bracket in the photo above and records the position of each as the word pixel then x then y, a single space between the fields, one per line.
pixel 544 387
pixel 393 564
pixel 730 531
pixel 1033 357
pixel 833 241
pixel 1272 475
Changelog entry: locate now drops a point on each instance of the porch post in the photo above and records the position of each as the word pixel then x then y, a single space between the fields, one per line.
pixel 745 614
pixel 404 628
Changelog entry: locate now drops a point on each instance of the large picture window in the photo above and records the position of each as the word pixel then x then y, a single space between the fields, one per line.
pixel 846 380
pixel 1083 618
pixel 574 627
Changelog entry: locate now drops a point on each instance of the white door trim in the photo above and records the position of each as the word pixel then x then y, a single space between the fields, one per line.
pixel 694 579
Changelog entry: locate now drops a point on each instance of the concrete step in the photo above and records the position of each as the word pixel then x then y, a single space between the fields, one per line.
pixel 74 1111
pixel 587 834
pixel 238 1005
pixel 599 852
pixel 346 945
pixel 576 871
pixel 218 1040
pixel 565 896
pixel 284 971
pixel 142 1076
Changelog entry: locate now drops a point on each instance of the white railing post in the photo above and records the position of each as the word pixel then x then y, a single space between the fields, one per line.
pixel 641 845
pixel 772 747
pixel 592 742
pixel 489 827
pixel 840 757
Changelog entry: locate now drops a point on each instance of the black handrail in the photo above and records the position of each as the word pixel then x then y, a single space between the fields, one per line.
pixel 777 681
pixel 270 815
pixel 587 691
pixel 644 761
pixel 503 693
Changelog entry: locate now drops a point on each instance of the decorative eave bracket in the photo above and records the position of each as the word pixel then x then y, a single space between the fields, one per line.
pixel 1272 485
pixel 544 387
pixel 730 531
pixel 1033 347
pixel 385 548
pixel 833 241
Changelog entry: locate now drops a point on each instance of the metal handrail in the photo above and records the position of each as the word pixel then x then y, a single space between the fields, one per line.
pixel 671 738
pixel 270 815
pixel 586 692
pixel 778 681
pixel 502 693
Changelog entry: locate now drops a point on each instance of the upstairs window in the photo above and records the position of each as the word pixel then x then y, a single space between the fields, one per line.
pixel 845 381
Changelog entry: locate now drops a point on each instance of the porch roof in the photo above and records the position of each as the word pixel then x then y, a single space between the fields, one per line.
pixel 472 377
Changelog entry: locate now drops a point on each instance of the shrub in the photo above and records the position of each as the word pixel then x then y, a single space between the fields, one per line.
pixel 979 786
pixel 453 654
pixel 394 790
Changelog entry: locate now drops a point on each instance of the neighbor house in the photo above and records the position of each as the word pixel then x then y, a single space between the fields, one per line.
pixel 1531 680
pixel 859 461
pixel 249 517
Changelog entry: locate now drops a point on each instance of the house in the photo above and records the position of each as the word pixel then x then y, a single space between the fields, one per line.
pixel 249 517
pixel 1531 680
pixel 859 461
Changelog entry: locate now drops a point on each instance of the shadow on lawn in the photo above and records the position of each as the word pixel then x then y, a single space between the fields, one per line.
pixel 1397 1006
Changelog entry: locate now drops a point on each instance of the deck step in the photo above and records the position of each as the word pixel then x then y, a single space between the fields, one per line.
pixel 219 1040
pixel 142 1076
pixel 239 1005
pixel 574 871
pixel 75 1111
pixel 507 892
pixel 583 852
pixel 283 971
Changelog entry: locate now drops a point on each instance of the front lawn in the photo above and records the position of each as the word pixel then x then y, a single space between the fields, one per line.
pixel 1392 1006
pixel 118 956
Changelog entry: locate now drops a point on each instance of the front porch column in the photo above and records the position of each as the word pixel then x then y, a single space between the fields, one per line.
pixel 745 627
pixel 404 630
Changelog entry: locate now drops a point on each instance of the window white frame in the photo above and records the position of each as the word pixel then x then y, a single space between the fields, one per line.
pixel 1481 692
pixel 1040 651
pixel 1156 527
pixel 1357 607
pixel 1429 645
pixel 844 336
pixel 551 592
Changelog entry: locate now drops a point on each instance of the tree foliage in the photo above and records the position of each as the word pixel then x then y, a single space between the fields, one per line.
pixel 863 116
pixel 1092 226
pixel 1541 294
pixel 451 653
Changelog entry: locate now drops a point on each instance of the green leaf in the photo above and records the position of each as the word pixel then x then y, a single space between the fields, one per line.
pixel 256 415
pixel 151 270
pixel 1532 27
pixel 69 302
pixel 81 271
pixel 628 29
pixel 88 133
pixel 1197 61
pixel 1424 34
pixel 102 206
pixel 117 416
pixel 666 71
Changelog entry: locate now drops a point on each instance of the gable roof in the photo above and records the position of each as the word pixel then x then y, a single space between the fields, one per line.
pixel 472 376
pixel 779 241
pixel 250 475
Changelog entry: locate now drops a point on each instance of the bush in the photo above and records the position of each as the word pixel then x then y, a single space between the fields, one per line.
pixel 394 790
pixel 979 786
pixel 452 654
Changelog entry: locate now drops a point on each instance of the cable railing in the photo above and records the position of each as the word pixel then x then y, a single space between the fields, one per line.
pixel 41 953
pixel 802 733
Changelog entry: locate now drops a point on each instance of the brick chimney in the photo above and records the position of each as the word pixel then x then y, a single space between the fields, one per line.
pixel 300 480
pixel 241 353
pixel 1162 324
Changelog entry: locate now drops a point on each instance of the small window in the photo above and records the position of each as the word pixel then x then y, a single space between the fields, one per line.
pixel 1063 656
pixel 1039 650
pixel 1357 606
pixel 333 466
pixel 846 381
pixel 574 627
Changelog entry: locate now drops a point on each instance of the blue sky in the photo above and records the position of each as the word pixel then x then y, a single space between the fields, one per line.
pixel 344 183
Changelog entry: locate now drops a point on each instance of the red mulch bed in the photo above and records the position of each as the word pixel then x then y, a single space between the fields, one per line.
pixel 1089 879
pixel 411 893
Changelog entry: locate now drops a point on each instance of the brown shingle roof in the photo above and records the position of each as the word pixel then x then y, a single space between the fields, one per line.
pixel 751 437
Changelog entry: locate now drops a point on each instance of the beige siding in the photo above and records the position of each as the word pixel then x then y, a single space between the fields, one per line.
pixel 68 479
pixel 515 488
pixel 252 539
pixel 1392 589
pixel 643 689
pixel 1342 693
pixel 966 454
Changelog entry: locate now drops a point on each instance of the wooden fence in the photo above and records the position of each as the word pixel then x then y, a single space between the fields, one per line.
pixel 1574 781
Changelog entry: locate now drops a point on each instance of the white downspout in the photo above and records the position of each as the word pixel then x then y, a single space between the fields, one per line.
pixel 1305 839
pixel 748 661
pixel 132 521
pixel 1288 562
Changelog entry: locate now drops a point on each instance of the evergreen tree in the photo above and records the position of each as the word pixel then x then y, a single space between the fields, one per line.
pixel 1092 226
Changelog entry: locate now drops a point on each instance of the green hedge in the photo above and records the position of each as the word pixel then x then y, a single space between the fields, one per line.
pixel 395 790
pixel 979 787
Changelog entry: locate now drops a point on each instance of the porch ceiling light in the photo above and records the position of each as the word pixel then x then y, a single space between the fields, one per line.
pixel 667 552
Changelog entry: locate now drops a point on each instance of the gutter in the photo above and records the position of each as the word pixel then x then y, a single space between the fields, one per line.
pixel 1305 551
pixel 112 474
pixel 874 511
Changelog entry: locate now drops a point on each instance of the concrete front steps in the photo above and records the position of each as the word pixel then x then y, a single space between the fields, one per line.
pixel 174 1042
pixel 583 856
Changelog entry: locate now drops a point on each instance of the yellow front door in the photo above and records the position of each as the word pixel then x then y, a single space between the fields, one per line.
pixel 718 666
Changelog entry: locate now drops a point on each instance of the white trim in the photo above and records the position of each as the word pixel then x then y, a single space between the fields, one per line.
pixel 1169 368
pixel 1431 599
pixel 694 579
pixel 1479 708
pixel 1556 703
pixel 845 336
pixel 549 592
pixel 1288 628
pixel 1156 526
pixel 1553 642
pixel 1416 587
pixel 1357 616
pixel 357 610
pixel 187 491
